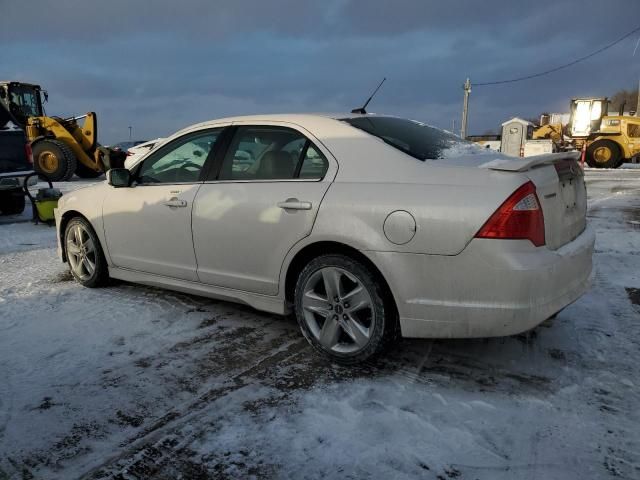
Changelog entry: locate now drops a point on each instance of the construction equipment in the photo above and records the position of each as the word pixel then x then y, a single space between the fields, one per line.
pixel 61 146
pixel 552 131
pixel 610 140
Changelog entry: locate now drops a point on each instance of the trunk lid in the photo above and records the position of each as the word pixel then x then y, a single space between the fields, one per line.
pixel 561 190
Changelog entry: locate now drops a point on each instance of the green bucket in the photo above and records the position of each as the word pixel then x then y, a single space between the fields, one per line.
pixel 45 201
pixel 45 209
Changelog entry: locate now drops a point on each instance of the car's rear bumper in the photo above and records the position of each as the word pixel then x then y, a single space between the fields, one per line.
pixel 493 288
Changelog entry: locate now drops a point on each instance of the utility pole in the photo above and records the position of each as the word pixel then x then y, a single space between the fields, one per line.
pixel 130 130
pixel 465 108
pixel 453 125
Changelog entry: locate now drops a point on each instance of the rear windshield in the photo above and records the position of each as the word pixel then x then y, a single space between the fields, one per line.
pixel 413 138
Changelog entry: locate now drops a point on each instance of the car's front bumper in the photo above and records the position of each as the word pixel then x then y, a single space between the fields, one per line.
pixel 493 288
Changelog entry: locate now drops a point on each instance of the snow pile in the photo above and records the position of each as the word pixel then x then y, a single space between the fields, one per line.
pixel 460 148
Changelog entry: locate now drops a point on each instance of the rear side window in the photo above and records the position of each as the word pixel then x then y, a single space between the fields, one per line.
pixel 314 165
pixel 272 153
pixel 413 138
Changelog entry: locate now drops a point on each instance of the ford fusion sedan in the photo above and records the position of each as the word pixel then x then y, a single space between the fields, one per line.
pixel 365 226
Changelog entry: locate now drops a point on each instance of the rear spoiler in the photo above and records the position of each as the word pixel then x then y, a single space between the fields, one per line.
pixel 524 164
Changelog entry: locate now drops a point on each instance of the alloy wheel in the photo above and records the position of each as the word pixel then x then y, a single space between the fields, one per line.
pixel 81 252
pixel 338 310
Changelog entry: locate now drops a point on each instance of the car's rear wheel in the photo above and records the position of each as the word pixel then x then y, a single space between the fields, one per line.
pixel 84 254
pixel 340 307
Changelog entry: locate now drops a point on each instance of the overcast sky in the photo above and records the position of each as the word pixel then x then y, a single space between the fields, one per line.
pixel 161 65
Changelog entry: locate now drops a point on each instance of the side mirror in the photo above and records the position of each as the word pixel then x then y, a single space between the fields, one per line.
pixel 119 177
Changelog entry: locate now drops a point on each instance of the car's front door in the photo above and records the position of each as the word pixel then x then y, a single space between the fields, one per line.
pixel 148 225
pixel 263 199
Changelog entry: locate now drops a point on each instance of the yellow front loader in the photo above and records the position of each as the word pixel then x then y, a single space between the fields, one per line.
pixel 617 141
pixel 61 146
pixel 610 140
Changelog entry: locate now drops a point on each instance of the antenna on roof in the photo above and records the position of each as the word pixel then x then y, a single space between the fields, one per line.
pixel 362 109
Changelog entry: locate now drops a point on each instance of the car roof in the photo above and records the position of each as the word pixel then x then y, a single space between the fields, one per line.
pixel 300 118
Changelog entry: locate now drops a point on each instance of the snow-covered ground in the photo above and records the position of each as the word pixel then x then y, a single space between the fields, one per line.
pixel 133 382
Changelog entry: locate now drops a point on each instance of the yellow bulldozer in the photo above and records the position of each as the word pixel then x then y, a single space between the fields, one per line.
pixel 61 146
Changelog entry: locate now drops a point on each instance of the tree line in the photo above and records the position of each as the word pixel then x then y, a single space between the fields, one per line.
pixel 628 97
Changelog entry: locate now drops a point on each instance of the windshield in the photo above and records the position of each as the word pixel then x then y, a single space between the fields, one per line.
pixel 411 137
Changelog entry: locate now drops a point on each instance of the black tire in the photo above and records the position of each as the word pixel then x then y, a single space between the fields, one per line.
pixel 54 159
pixel 100 275
pixel 381 314
pixel 12 202
pixel 83 171
pixel 611 149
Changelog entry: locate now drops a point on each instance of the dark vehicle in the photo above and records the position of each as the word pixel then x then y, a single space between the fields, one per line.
pixel 16 162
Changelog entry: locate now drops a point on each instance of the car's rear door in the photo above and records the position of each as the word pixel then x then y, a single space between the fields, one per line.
pixel 148 226
pixel 261 199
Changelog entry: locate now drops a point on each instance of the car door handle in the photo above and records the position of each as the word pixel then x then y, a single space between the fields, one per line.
pixel 294 204
pixel 176 203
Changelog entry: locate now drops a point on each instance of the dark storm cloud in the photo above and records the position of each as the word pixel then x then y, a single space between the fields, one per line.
pixel 163 64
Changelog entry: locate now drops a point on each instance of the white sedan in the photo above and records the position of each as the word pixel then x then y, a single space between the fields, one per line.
pixel 365 226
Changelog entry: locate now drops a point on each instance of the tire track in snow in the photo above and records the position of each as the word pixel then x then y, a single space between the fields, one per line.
pixel 144 451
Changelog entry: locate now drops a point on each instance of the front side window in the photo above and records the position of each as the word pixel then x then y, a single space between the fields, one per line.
pixel 272 153
pixel 181 161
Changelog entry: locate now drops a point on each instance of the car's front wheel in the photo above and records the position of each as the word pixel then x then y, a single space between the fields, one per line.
pixel 340 307
pixel 84 254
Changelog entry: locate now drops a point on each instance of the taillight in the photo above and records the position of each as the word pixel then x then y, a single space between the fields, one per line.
pixel 28 152
pixel 519 217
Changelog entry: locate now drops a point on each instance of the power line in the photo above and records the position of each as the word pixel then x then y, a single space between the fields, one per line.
pixel 561 67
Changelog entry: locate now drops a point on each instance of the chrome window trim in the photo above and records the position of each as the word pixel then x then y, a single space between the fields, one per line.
pixel 287 180
pixel 165 184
